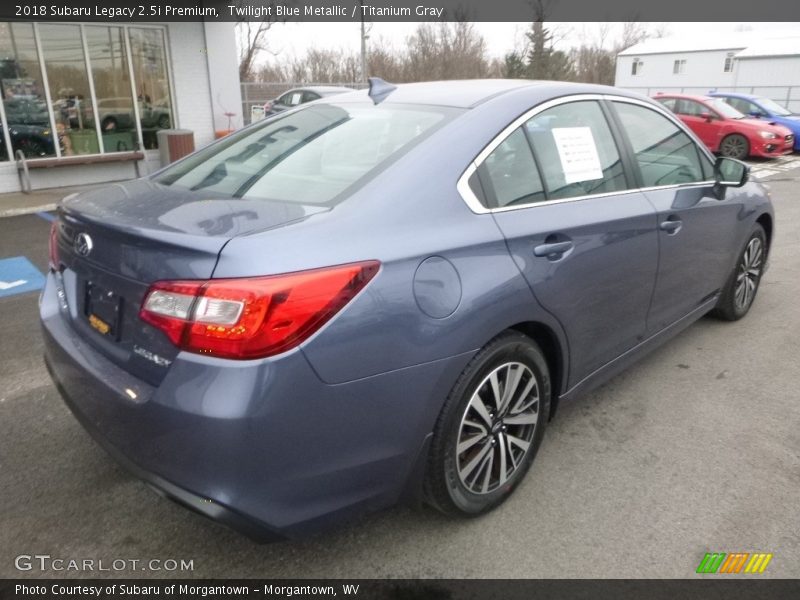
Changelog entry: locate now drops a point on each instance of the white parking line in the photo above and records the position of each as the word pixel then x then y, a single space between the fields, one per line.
pixel 775 166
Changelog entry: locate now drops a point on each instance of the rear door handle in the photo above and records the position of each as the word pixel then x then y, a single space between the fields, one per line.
pixel 671 225
pixel 553 249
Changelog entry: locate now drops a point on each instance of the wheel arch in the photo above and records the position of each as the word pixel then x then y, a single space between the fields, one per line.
pixel 554 353
pixel 765 220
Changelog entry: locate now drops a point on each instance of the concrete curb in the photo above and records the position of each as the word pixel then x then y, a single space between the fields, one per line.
pixel 28 210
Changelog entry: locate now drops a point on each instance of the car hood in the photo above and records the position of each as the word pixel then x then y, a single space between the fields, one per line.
pixel 763 125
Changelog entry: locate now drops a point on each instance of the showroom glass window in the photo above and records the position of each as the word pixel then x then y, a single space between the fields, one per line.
pixel 112 87
pixel 152 82
pixel 70 95
pixel 29 128
pixel 103 89
pixel 665 154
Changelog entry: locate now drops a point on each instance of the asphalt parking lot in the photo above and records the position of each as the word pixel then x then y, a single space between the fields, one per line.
pixel 693 450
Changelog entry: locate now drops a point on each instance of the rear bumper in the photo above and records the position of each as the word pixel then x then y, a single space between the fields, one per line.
pixel 262 446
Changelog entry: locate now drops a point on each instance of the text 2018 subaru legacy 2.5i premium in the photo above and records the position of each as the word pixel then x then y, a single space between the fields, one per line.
pixel 384 295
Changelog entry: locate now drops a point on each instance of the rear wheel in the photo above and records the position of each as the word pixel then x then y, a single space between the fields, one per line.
pixel 490 427
pixel 735 146
pixel 740 290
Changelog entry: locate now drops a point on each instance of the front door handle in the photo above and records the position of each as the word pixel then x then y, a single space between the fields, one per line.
pixel 671 225
pixel 554 249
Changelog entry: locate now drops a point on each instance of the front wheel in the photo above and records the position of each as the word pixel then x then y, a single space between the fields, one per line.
pixel 740 290
pixel 490 427
pixel 735 146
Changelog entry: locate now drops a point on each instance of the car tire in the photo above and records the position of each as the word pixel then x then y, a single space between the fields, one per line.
pixel 735 146
pixel 742 285
pixel 479 454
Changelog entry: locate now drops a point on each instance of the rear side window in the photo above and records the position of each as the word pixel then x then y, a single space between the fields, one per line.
pixel 575 150
pixel 315 155
pixel 509 174
pixel 664 153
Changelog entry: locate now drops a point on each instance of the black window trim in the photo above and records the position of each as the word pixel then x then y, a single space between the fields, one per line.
pixel 477 207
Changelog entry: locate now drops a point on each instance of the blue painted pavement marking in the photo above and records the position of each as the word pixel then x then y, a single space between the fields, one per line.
pixel 46 216
pixel 18 275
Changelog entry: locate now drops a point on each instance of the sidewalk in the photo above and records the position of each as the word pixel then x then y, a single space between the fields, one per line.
pixel 17 203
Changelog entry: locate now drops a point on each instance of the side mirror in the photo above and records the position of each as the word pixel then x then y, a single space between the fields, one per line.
pixel 707 116
pixel 731 172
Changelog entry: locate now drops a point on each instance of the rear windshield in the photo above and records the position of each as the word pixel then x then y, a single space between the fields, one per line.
pixel 314 155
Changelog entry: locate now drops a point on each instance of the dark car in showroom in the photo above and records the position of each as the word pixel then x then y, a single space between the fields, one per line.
pixel 385 295
pixel 760 107
pixel 725 130
pixel 298 96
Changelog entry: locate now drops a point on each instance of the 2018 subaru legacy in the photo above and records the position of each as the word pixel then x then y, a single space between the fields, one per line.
pixel 385 295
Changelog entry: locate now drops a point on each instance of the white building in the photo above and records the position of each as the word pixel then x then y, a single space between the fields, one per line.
pixel 87 99
pixel 769 67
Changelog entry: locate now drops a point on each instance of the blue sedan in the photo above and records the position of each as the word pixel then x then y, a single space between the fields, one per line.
pixel 764 108
pixel 385 295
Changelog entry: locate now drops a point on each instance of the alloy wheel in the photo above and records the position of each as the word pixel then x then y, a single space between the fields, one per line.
pixel 734 146
pixel 748 273
pixel 497 427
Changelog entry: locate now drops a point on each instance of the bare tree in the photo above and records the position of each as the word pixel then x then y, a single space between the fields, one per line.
pixel 445 51
pixel 252 35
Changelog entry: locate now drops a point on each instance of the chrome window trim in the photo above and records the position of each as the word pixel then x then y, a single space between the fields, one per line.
pixel 477 207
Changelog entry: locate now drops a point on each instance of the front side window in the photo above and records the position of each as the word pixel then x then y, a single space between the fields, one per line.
pixel 575 150
pixel 509 174
pixel 690 108
pixel 311 156
pixel 664 153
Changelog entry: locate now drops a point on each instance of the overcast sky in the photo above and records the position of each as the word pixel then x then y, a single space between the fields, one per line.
pixel 293 39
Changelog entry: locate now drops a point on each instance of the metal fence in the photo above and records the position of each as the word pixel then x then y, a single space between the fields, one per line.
pixel 788 96
pixel 257 93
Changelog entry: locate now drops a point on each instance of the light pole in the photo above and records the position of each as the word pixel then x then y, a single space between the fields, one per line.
pixel 364 38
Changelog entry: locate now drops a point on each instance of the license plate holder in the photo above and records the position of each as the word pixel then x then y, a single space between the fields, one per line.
pixel 103 309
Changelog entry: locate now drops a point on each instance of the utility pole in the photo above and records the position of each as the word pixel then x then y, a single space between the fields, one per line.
pixel 364 38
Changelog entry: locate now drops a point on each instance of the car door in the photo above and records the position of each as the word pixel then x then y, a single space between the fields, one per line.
pixel 697 228
pixel 584 240
pixel 708 128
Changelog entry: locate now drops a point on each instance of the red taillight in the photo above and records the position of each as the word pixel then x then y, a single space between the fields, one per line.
pixel 252 317
pixel 55 262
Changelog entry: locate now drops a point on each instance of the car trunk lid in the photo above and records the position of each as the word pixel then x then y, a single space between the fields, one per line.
pixel 114 242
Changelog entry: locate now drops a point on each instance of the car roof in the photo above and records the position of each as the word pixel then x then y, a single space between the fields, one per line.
pixel 469 93
pixel 699 98
pixel 324 89
pixel 735 95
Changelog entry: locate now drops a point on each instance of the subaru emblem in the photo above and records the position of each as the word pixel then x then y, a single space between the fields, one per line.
pixel 83 244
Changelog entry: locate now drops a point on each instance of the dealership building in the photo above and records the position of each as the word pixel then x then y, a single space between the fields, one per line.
pixel 767 67
pixel 83 103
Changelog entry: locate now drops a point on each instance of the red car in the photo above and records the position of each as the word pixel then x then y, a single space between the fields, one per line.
pixel 727 131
